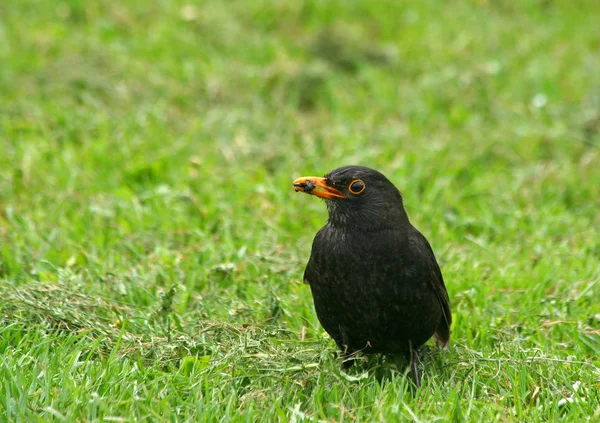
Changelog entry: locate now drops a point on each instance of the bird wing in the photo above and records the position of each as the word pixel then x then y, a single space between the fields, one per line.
pixel 310 273
pixel 306 278
pixel 442 332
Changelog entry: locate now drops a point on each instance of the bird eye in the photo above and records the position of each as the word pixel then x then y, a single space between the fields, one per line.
pixel 357 186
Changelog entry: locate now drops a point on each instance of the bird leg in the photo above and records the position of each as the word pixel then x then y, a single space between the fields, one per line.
pixel 414 358
pixel 347 353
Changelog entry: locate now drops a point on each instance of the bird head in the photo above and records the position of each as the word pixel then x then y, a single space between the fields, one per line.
pixel 357 197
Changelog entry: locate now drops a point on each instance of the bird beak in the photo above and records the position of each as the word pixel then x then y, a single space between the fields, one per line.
pixel 317 186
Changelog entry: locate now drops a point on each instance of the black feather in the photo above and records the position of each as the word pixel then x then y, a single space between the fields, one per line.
pixel 375 281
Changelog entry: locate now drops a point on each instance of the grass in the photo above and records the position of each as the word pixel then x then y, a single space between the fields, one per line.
pixel 152 247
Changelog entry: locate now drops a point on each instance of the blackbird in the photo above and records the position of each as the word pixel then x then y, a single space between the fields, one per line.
pixel 375 282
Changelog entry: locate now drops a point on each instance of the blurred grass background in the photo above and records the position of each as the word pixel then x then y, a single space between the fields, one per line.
pixel 152 249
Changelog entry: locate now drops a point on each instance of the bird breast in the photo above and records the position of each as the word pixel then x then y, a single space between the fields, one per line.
pixel 369 284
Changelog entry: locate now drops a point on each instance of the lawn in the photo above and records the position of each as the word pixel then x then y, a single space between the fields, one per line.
pixel 152 247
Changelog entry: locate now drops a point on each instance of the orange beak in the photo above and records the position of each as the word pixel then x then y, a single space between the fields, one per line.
pixel 317 186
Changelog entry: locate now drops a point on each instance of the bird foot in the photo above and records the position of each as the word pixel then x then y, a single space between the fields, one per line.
pixel 347 361
pixel 413 358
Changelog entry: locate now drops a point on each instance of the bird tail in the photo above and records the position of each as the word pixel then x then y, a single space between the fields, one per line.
pixel 442 333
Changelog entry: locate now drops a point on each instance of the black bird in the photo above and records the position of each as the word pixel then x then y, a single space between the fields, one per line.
pixel 376 284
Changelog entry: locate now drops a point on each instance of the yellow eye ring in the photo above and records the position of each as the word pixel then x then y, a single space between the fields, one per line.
pixel 356 186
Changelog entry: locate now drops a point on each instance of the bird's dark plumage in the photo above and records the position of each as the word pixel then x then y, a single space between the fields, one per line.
pixel 375 282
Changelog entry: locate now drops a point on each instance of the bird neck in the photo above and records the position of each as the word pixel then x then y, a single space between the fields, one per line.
pixel 365 220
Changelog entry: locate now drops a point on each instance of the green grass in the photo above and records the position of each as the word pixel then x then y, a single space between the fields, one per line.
pixel 152 247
